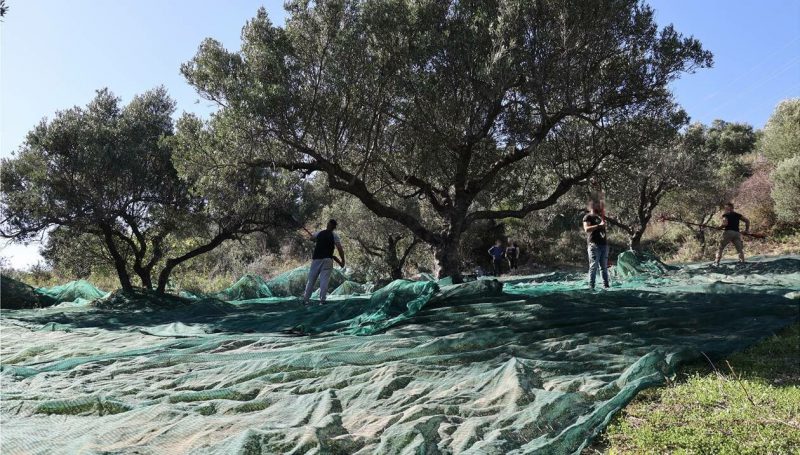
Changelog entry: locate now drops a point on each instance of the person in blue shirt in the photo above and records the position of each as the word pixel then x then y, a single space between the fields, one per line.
pixel 497 252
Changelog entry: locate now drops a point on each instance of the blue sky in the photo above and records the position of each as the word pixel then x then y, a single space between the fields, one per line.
pixel 54 54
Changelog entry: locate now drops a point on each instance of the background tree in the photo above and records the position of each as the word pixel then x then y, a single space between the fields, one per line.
pixel 731 139
pixel 3 8
pixel 102 170
pixel 107 171
pixel 781 136
pixel 639 181
pixel 786 190
pixel 77 255
pixel 721 171
pixel 379 247
pixel 447 102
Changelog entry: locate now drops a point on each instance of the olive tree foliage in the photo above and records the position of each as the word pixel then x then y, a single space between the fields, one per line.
pixel 107 171
pixel 380 247
pixel 448 102
pixel 730 138
pixel 714 179
pixel 781 136
pixel 667 162
pixel 786 190
pixel 76 254
pixel 236 200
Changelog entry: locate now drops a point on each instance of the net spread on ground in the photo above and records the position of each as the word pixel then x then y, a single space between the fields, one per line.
pixel 534 364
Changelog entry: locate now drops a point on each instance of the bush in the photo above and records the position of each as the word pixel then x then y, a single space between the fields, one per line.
pixel 786 189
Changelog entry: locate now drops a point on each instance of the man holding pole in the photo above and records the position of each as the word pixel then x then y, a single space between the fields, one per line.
pixel 731 234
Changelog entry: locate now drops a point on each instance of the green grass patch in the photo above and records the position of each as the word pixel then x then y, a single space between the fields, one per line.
pixel 748 403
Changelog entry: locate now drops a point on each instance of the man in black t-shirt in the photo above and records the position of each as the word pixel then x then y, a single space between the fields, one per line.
pixel 730 222
pixel 597 246
pixel 322 261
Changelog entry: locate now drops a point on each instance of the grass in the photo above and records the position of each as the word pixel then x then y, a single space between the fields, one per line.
pixel 746 404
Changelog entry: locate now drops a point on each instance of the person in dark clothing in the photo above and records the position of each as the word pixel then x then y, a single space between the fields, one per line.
pixel 512 254
pixel 497 253
pixel 322 261
pixel 597 246
pixel 731 234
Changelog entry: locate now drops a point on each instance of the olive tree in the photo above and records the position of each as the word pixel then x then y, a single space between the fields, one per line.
pixel 667 162
pixel 448 102
pixel 712 181
pixel 107 171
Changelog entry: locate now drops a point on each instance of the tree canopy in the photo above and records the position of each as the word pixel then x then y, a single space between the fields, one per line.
pixel 452 103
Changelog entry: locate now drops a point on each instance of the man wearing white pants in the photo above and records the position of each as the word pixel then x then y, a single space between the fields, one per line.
pixel 322 261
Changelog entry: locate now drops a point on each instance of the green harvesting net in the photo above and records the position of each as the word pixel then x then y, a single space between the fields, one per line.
pixel 16 295
pixel 248 287
pixel 534 365
pixel 630 264
pixel 74 291
pixel 349 288
pixel 293 282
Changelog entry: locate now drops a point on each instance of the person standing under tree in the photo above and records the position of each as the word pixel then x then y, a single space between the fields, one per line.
pixel 731 234
pixel 595 227
pixel 497 252
pixel 512 254
pixel 322 261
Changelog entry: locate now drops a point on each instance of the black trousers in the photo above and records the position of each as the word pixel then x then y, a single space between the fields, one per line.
pixel 512 263
pixel 497 266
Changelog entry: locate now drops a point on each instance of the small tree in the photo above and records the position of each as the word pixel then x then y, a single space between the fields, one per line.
pixel 637 183
pixel 376 245
pixel 447 102
pixel 76 254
